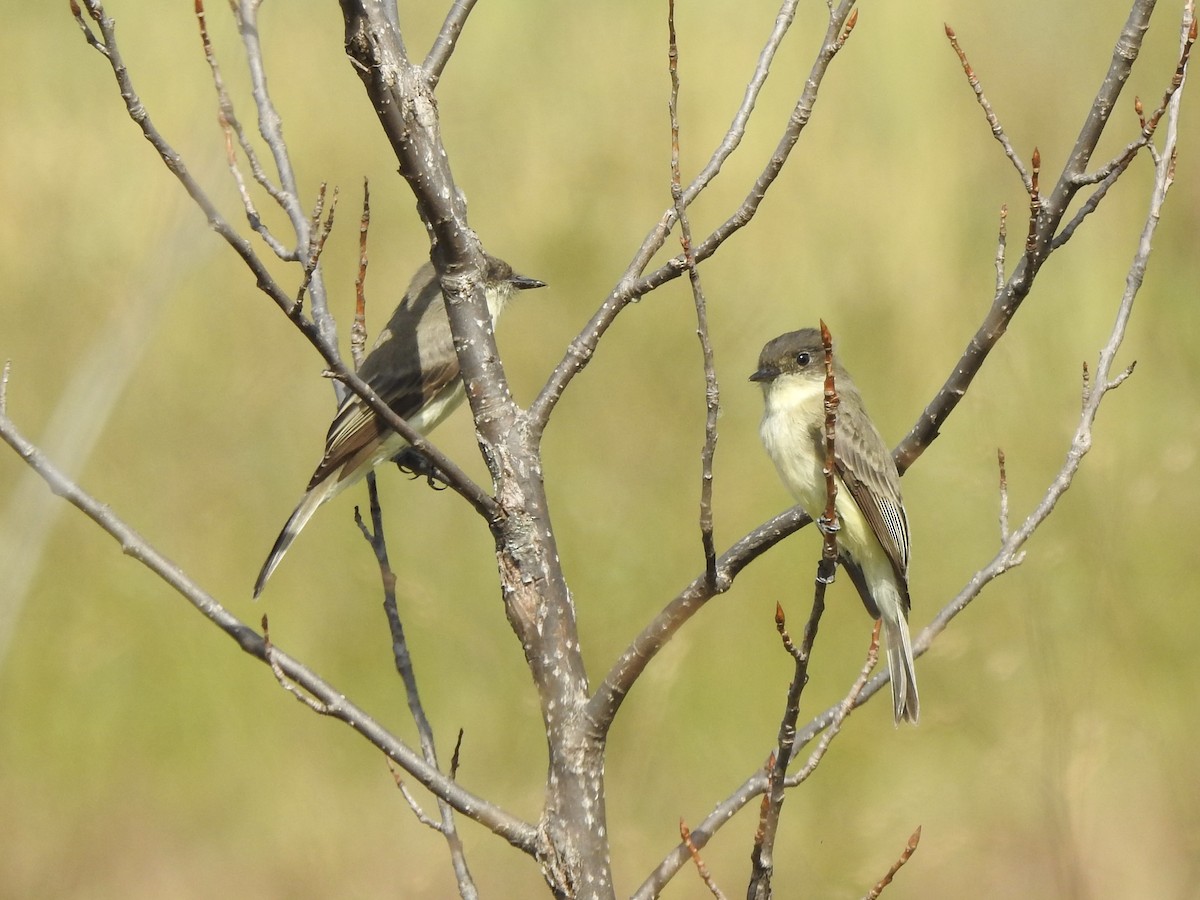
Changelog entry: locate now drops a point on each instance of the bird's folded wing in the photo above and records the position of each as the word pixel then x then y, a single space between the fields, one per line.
pixel 356 431
pixel 878 496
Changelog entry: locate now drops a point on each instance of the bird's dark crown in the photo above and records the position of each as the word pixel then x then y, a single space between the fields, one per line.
pixel 790 354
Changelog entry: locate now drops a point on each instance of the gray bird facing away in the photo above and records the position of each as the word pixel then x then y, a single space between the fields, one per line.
pixel 873 539
pixel 414 369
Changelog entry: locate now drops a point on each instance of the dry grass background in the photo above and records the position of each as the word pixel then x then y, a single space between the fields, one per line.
pixel 142 756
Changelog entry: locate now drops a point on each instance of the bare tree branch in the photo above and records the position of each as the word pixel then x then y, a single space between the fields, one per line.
pixel 1096 389
pixel 232 127
pixel 318 234
pixel 1009 555
pixel 447 40
pixel 376 539
pixel 755 786
pixel 404 667
pixel 331 701
pixel 573 853
pixel 1052 210
pixel 270 126
pixel 571 848
pixel 611 692
pixel 762 854
pixel 608 697
pixel 106 44
pixel 712 390
pixel 631 286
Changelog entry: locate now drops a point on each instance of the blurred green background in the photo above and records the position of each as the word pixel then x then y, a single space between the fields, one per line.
pixel 142 755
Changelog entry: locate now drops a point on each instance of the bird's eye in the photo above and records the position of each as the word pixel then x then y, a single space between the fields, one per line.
pixel 803 358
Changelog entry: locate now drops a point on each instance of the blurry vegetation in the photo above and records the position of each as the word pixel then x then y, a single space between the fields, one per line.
pixel 141 757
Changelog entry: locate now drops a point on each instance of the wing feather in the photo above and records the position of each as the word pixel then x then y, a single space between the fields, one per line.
pixel 408 367
pixel 867 470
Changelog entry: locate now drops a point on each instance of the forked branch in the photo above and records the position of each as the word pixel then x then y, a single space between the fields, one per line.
pixel 332 701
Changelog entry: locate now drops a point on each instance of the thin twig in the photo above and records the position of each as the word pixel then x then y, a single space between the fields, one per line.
pixel 1107 175
pixel 1053 209
pixel 232 128
pixel 1001 248
pixel 270 126
pixel 905 855
pixel 1003 496
pixel 762 854
pixel 685 835
pixel 318 234
pixel 404 666
pixel 285 682
pixel 993 120
pixel 454 757
pixel 847 705
pixel 829 521
pixel 757 785
pixel 358 329
pixel 417 811
pixel 631 286
pixel 1089 205
pixel 1035 205
pixel 712 389
pixel 447 40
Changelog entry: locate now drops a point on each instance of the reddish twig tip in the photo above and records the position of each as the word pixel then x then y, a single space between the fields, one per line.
pixel 909 849
pixel 685 835
pixel 1035 202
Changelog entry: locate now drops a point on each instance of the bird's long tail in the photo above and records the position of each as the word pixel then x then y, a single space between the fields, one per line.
pixel 295 524
pixel 905 704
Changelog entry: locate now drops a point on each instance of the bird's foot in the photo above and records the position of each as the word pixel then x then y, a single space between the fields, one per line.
pixel 827 525
pixel 416 464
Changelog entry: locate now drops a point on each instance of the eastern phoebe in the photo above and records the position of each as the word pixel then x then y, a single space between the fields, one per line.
pixel 414 369
pixel 873 539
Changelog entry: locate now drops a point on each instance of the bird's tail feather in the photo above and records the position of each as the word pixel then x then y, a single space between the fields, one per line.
pixel 309 504
pixel 905 704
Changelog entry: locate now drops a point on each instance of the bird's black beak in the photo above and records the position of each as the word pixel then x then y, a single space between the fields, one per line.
pixel 765 373
pixel 524 282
